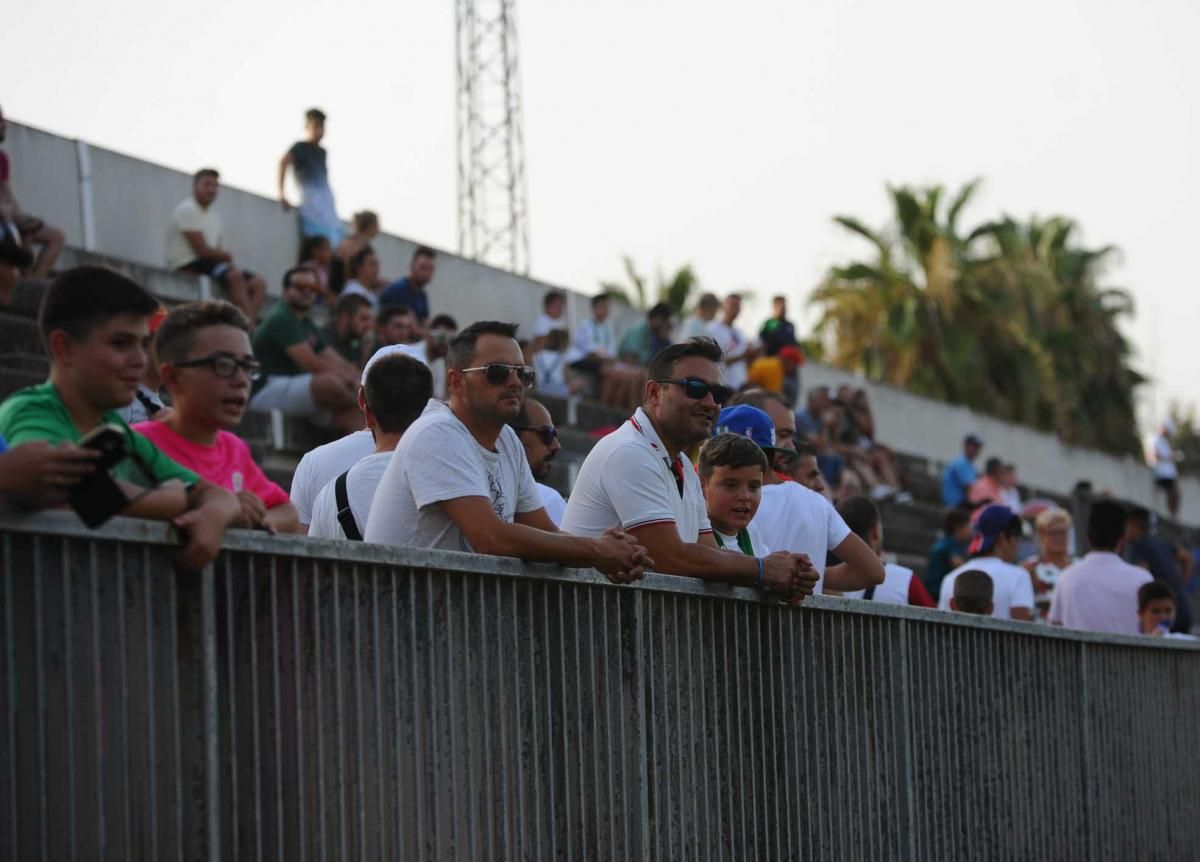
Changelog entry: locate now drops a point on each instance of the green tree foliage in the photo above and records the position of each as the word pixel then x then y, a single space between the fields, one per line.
pixel 1186 439
pixel 679 290
pixel 1008 318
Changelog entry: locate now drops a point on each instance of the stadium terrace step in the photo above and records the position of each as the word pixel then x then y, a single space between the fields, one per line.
pixel 587 416
pixel 12 379
pixel 19 334
pixel 910 528
pixel 169 286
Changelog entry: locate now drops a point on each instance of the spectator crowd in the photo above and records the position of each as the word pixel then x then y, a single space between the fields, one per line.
pixel 721 471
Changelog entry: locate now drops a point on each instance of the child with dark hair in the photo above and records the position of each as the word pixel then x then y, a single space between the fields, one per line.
pixel 900 586
pixel 94 325
pixel 731 469
pixel 973 591
pixel 207 366
pixel 950 550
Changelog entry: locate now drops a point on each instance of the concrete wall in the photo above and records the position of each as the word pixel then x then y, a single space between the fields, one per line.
pixel 132 198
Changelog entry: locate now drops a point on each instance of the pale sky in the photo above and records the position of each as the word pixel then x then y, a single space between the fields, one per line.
pixel 724 135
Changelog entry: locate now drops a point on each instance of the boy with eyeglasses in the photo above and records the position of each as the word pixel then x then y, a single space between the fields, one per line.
pixel 458 480
pixel 205 363
pixel 94 325
pixel 640 480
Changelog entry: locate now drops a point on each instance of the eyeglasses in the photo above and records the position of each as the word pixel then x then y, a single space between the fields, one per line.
pixel 696 389
pixel 224 365
pixel 548 433
pixel 497 373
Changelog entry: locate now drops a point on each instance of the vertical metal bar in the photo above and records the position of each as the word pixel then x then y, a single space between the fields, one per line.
pixel 97 665
pixel 231 670
pixel 10 651
pixel 907 776
pixel 359 714
pixel 176 710
pixel 339 714
pixel 255 749
pixel 298 703
pixel 319 707
pixel 640 758
pixel 277 712
pixel 382 795
pixel 212 746
pixel 68 665
pixel 42 698
pixel 123 671
pixel 1090 823
pixel 418 749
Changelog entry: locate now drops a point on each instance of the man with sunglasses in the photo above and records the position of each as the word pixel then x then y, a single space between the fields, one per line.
pixel 301 374
pixel 535 427
pixel 458 479
pixel 639 479
pixel 206 365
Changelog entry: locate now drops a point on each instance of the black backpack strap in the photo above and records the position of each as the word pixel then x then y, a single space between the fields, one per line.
pixel 344 515
pixel 869 594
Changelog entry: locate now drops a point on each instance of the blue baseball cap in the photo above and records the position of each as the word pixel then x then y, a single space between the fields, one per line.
pixel 747 421
pixel 990 523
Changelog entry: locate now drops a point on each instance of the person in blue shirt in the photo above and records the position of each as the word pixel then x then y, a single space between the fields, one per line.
pixel 410 290
pixel 961 472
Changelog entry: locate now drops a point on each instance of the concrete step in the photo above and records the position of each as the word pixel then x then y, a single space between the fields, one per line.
pixel 19 335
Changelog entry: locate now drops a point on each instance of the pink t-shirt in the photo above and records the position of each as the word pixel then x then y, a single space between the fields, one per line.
pixel 227 464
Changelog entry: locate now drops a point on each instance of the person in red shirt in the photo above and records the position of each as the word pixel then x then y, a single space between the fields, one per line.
pixel 206 365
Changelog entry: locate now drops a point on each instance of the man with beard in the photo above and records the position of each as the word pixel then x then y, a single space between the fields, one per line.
pixel 458 480
pixel 301 374
pixel 535 427
pixel 639 479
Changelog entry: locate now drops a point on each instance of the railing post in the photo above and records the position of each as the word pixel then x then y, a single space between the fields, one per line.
pixel 906 754
pixel 1089 775
pixel 209 704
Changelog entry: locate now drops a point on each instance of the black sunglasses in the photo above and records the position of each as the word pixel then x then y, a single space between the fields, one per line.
pixel 696 389
pixel 548 433
pixel 497 373
pixel 224 365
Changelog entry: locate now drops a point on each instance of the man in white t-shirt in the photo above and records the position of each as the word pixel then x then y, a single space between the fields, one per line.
pixel 196 243
pixel 553 316
pixel 1166 472
pixel 535 428
pixel 993 551
pixel 395 392
pixel 900 586
pixel 432 350
pixel 458 479
pixel 639 479
pixel 697 322
pixel 738 351
pixel 1099 593
pixel 793 518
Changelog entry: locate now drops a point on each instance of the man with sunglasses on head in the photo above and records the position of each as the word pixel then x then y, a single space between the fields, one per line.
pixel 205 363
pixel 458 479
pixel 639 479
pixel 302 375
pixel 535 427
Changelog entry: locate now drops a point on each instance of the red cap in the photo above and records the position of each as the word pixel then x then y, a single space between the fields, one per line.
pixel 792 353
pixel 156 319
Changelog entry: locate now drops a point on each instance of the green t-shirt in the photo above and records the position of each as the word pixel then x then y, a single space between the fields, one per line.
pixel 38 413
pixel 278 331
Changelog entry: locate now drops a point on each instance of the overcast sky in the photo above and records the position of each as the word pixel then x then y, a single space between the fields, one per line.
pixel 724 135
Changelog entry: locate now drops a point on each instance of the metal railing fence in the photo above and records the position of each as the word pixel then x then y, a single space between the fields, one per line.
pixel 316 700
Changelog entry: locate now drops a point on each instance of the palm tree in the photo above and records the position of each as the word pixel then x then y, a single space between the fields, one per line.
pixel 677 291
pixel 1008 318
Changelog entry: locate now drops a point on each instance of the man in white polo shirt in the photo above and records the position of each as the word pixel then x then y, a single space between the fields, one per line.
pixel 458 479
pixel 993 551
pixel 639 479
pixel 396 390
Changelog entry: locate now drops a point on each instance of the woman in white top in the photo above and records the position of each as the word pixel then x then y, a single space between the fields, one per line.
pixel 364 277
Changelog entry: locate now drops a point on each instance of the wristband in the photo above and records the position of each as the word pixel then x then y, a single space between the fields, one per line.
pixel 759 581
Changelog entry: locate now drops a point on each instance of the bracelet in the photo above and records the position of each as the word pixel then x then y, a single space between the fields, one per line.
pixel 759 581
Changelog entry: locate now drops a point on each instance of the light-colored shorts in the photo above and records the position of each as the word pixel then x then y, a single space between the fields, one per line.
pixel 290 394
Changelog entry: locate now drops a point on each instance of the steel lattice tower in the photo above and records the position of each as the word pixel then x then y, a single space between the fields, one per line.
pixel 493 216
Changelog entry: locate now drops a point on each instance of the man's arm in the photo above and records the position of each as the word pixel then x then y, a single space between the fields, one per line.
pixel 202 249
pixel 340 364
pixel 860 567
pixel 328 360
pixel 284 518
pixel 210 510
pixel 490 535
pixel 284 164
pixel 706 561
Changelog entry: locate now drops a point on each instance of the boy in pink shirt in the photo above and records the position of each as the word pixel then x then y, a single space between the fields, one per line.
pixel 206 363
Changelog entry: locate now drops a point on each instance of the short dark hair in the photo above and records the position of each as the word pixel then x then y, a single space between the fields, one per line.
pixel 551 296
pixel 84 297
pixel 462 345
pixel 973 591
pixel 757 397
pixel 599 298
pixel 1106 524
pixel 660 309
pixel 310 244
pixel 392 309
pixel 173 340
pixel 350 303
pixel 443 321
pixel 397 389
pixel 860 515
pixel 708 300
pixel 364 219
pixel 205 172
pixel 359 258
pixel 286 281
pixel 993 466
pixel 804 449
pixel 731 450
pixel 1140 515
pixel 955 520
pixel 779 297
pixel 314 115
pixel 1153 591
pixel 663 363
pixel 424 251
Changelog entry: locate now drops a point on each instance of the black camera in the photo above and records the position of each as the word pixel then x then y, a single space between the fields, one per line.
pixel 97 497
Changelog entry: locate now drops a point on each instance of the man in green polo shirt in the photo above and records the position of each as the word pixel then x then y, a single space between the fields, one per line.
pixel 301 374
pixel 94 325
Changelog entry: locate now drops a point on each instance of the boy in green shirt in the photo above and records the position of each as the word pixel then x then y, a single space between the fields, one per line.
pixel 94 325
